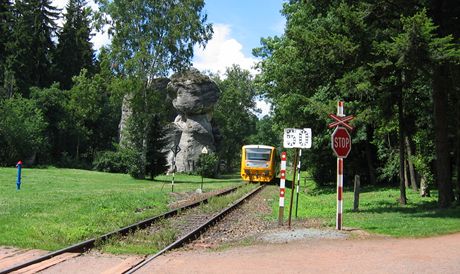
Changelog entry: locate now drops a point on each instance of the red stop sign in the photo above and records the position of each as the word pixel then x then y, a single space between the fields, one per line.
pixel 341 142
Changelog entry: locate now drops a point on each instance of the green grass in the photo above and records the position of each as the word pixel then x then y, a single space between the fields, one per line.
pixel 58 207
pixel 379 211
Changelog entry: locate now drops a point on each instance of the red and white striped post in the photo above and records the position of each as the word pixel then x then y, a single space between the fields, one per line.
pixel 339 178
pixel 341 145
pixel 339 193
pixel 282 187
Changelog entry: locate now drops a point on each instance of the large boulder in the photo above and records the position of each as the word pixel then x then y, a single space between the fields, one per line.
pixel 193 92
pixel 193 95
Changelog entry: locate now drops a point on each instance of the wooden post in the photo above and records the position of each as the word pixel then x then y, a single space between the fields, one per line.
pixel 356 191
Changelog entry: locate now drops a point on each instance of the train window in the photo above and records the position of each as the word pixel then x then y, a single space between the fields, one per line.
pixel 258 154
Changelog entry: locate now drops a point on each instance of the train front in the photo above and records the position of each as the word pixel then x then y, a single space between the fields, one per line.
pixel 257 163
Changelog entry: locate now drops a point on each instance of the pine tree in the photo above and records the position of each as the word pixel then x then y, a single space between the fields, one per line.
pixel 6 17
pixel 75 50
pixel 156 152
pixel 32 43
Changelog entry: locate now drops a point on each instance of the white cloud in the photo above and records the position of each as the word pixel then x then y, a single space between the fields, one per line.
pixel 222 51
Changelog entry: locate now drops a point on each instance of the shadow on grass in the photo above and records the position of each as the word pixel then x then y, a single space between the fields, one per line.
pixel 423 209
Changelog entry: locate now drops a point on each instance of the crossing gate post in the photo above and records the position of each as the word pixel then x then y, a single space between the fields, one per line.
pixel 282 187
pixel 341 145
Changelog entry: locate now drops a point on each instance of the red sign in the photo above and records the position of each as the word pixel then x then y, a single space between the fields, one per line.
pixel 341 142
pixel 341 121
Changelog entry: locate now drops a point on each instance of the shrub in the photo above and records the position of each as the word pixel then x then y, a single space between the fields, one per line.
pixel 208 165
pixel 123 160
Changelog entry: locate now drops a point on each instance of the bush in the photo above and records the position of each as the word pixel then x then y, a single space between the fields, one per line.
pixel 123 160
pixel 208 165
pixel 22 128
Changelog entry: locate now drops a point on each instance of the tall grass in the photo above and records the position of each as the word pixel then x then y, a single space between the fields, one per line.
pixel 58 207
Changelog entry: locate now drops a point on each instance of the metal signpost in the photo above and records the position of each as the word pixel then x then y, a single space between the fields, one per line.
pixel 298 185
pixel 175 149
pixel 296 138
pixel 341 145
pixel 203 152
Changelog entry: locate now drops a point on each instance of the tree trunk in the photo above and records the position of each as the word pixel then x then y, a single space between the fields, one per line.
pixel 402 186
pixel 458 165
pixel 413 180
pixel 441 112
pixel 78 148
pixel 440 13
pixel 370 166
pixel 458 150
pixel 406 174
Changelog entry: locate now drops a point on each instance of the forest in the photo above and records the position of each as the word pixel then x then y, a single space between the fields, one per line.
pixel 395 64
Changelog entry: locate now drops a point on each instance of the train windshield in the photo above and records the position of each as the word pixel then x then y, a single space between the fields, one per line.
pixel 258 154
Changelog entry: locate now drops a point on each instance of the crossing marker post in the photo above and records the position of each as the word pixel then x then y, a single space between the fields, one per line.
pixel 282 187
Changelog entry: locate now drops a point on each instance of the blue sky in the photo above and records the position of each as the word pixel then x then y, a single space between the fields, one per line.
pixel 238 27
pixel 249 19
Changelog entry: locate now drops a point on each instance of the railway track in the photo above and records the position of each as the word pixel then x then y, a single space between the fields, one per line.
pixel 20 263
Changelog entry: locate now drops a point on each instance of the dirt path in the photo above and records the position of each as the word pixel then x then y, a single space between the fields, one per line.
pixel 384 255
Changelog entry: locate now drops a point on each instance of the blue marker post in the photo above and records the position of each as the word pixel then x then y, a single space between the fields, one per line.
pixel 18 182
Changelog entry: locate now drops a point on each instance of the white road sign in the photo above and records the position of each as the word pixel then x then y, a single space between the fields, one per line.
pixel 297 138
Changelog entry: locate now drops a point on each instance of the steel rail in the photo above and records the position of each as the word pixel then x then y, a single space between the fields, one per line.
pixel 88 244
pixel 196 232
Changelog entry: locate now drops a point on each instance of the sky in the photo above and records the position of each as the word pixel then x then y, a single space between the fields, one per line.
pixel 238 27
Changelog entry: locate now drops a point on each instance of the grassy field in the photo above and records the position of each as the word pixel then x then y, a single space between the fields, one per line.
pixel 379 211
pixel 58 207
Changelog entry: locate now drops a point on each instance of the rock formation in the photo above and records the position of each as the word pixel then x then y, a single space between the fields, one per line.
pixel 194 96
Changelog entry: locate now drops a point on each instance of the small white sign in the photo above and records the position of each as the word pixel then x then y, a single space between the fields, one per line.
pixel 297 138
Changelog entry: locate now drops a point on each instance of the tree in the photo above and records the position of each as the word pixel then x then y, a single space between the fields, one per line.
pixel 267 133
pixel 151 39
pixel 389 62
pixel 32 43
pixel 233 113
pixel 6 19
pixel 156 151
pixel 75 50
pixel 53 102
pixel 446 15
pixel 94 119
pixel 21 130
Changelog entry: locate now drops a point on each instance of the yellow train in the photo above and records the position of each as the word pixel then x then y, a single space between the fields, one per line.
pixel 258 163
